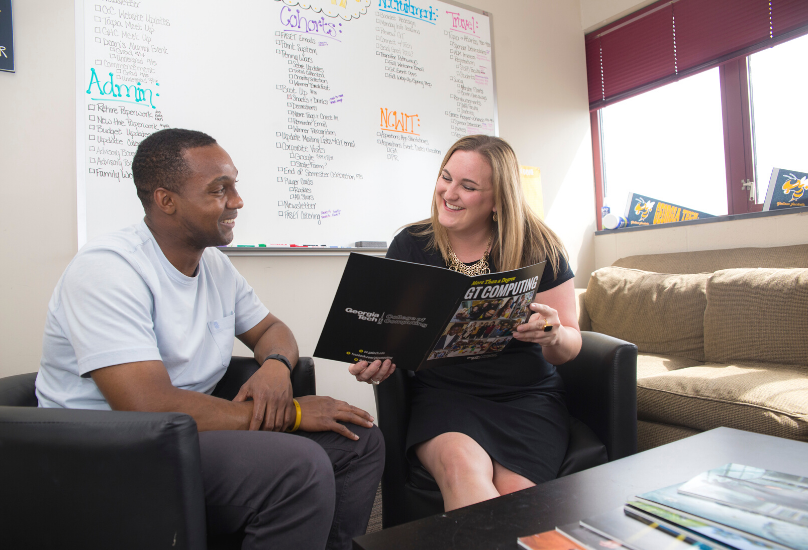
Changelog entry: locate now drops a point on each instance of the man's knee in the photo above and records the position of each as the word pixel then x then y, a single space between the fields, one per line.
pixel 267 483
pixel 370 448
pixel 375 442
pixel 313 470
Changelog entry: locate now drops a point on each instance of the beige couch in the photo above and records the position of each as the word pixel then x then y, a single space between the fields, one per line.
pixel 722 338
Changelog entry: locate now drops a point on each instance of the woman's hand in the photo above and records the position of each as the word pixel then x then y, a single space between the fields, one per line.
pixel 542 328
pixel 372 373
pixel 553 309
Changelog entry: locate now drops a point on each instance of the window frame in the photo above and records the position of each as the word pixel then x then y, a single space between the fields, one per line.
pixel 739 157
pixel 739 153
pixel 614 74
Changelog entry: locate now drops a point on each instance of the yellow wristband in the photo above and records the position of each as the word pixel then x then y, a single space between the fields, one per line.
pixel 297 418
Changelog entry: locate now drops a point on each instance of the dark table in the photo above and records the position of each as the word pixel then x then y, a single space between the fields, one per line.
pixel 495 524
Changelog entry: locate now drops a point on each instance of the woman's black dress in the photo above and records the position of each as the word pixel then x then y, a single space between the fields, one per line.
pixel 512 405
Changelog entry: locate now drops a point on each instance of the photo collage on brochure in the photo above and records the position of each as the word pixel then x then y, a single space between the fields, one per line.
pixel 482 326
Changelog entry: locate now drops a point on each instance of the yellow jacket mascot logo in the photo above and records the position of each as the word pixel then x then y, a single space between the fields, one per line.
pixel 798 186
pixel 643 208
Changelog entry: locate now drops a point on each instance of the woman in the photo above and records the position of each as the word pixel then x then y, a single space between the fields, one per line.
pixel 476 311
pixel 489 312
pixel 506 308
pixel 490 427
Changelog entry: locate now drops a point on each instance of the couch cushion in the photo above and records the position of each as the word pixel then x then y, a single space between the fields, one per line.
pixel 649 364
pixel 708 261
pixel 757 314
pixel 764 398
pixel 659 312
pixel 584 323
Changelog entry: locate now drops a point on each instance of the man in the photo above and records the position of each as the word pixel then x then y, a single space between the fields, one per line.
pixel 452 336
pixel 144 319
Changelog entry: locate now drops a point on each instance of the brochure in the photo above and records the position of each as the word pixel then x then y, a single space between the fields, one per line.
pixel 765 492
pixel 721 533
pixel 676 531
pixel 786 189
pixel 636 535
pixel 422 316
pixel 549 540
pixel 587 538
pixel 778 531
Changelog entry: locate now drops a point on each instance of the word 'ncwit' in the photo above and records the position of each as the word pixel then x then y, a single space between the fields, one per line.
pixel 395 121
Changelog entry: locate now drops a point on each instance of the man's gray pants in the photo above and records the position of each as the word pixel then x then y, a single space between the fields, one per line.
pixel 298 491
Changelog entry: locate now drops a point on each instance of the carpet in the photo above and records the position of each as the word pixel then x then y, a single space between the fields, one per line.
pixel 375 523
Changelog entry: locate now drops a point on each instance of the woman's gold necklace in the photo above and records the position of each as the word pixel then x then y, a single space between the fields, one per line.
pixel 480 267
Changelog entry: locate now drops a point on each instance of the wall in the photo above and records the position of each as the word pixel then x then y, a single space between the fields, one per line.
pixel 541 87
pixel 38 175
pixel 597 13
pixel 782 230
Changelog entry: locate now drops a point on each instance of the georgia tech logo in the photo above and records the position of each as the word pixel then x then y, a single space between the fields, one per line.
pixel 366 315
pixel 799 187
pixel 643 208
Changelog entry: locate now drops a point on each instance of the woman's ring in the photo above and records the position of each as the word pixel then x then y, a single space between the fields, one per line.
pixel 547 326
pixel 375 382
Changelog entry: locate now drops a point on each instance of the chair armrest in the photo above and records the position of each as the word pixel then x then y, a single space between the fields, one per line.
pixel 304 381
pixel 393 403
pixel 241 368
pixel 100 476
pixel 601 388
pixel 18 390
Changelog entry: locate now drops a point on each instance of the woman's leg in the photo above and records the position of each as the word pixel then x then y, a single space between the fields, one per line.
pixel 463 470
pixel 507 481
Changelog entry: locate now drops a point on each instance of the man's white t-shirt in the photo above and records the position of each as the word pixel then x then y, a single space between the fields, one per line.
pixel 121 301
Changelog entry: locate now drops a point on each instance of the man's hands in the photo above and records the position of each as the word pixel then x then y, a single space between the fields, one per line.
pixel 271 391
pixel 273 409
pixel 320 414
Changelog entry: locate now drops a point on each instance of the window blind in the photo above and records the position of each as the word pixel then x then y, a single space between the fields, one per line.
pixel 671 39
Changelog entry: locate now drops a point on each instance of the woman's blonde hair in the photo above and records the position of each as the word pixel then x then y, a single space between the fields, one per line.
pixel 520 237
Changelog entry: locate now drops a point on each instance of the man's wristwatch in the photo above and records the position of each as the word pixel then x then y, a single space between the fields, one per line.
pixel 281 358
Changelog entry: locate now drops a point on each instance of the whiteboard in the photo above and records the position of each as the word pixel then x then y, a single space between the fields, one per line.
pixel 337 113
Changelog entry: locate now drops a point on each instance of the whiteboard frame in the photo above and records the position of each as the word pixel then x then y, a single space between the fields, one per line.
pixel 233 251
pixel 81 187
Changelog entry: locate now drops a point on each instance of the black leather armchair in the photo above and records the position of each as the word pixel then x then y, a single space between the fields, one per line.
pixel 601 388
pixel 108 479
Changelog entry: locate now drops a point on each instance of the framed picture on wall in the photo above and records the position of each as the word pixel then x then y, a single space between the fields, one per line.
pixel 6 37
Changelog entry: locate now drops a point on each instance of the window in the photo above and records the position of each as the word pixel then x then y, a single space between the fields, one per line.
pixel 677 83
pixel 675 154
pixel 779 85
